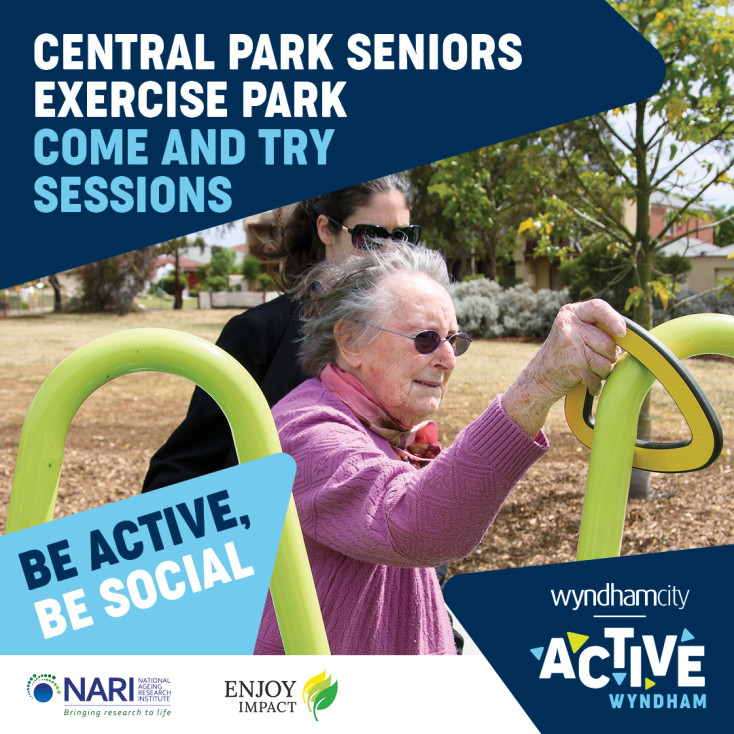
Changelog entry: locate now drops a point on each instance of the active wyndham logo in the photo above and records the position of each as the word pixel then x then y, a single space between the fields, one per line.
pixel 638 668
pixel 277 696
pixel 42 687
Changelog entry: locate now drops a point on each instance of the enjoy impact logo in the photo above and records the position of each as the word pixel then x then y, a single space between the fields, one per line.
pixel 319 693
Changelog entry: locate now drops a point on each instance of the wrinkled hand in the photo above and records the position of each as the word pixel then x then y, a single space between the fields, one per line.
pixel 577 351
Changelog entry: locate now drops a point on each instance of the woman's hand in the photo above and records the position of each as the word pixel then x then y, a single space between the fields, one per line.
pixel 577 350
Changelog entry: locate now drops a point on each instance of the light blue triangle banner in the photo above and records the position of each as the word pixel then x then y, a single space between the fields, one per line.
pixel 183 570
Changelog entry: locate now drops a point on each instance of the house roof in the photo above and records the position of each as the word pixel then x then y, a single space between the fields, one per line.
pixel 660 198
pixel 691 247
pixel 184 263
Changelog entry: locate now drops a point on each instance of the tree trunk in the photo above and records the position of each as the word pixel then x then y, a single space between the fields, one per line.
pixel 177 289
pixel 58 306
pixel 458 268
pixel 642 313
pixel 490 263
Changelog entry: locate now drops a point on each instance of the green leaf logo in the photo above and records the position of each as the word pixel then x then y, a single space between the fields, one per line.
pixel 319 693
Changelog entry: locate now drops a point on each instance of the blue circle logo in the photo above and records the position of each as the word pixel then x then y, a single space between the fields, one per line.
pixel 42 687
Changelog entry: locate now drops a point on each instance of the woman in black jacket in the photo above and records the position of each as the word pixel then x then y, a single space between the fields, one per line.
pixel 263 339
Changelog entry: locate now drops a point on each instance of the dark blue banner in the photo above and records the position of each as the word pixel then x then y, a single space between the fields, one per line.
pixel 633 644
pixel 129 125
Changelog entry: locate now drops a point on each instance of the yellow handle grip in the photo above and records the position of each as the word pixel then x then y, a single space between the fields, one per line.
pixel 707 438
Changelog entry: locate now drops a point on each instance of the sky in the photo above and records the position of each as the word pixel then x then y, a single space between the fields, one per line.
pixel 722 195
pixel 226 238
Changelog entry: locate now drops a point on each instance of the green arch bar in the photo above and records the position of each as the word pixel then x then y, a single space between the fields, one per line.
pixel 615 429
pixel 41 450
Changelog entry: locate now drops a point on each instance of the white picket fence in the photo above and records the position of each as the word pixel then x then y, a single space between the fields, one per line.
pixel 234 299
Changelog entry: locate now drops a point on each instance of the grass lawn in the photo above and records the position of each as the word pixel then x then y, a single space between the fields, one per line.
pixel 119 427
pixel 165 303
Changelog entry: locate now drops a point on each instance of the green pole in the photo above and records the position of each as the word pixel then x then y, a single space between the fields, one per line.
pixel 41 449
pixel 615 429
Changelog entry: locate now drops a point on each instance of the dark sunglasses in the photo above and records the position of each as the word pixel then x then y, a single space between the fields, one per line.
pixel 428 341
pixel 364 235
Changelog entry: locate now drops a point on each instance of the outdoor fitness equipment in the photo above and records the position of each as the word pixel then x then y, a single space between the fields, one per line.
pixel 41 449
pixel 611 437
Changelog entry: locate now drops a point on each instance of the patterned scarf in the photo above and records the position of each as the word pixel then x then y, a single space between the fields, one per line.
pixel 417 445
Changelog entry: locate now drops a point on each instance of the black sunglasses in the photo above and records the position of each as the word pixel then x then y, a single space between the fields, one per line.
pixel 364 235
pixel 428 341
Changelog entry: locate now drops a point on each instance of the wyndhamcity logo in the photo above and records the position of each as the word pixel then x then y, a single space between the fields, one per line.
pixel 631 663
pixel 276 696
pixel 610 596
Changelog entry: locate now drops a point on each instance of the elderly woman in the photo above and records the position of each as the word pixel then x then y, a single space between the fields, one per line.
pixel 379 501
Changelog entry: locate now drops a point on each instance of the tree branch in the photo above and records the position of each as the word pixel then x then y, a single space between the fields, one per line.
pixel 713 289
pixel 608 155
pixel 695 151
pixel 615 134
pixel 678 216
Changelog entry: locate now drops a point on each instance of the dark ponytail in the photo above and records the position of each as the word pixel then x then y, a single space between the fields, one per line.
pixel 298 238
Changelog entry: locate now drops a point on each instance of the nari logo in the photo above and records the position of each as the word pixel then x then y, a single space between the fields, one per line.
pixel 42 687
pixel 631 665
pixel 319 693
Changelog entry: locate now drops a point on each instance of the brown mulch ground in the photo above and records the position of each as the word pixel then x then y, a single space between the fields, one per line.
pixel 118 428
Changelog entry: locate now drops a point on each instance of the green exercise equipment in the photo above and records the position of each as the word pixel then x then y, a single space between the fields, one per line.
pixel 612 435
pixel 41 449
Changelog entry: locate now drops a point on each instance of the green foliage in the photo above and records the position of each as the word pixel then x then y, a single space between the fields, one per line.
pixel 168 284
pixel 724 232
pixel 222 262
pixel 486 193
pixel 112 284
pixel 476 204
pixel 439 231
pixel 203 272
pixel 264 282
pixel 647 146
pixel 216 283
pixel 213 276
pixel 603 270
pixel 251 268
pixel 173 249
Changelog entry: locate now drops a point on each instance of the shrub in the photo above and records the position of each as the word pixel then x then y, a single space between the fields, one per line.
pixel 112 284
pixel 484 309
pixel 251 269
pixel 168 282
pixel 472 276
pixel 264 281
pixel 600 264
pixel 707 303
pixel 216 283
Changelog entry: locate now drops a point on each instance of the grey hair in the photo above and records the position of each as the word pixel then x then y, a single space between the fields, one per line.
pixel 351 289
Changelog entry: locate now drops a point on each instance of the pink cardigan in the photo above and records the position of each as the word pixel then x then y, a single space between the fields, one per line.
pixel 376 526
